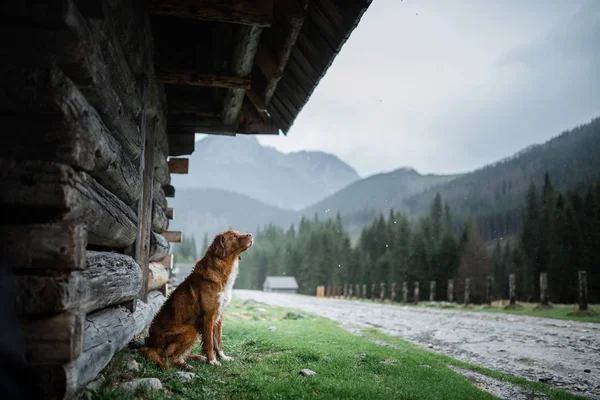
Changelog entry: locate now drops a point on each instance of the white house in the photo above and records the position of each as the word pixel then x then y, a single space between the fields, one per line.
pixel 280 284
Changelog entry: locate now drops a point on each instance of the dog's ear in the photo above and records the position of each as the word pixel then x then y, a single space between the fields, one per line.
pixel 218 246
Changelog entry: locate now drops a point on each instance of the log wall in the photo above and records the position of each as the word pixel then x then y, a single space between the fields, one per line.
pixel 82 169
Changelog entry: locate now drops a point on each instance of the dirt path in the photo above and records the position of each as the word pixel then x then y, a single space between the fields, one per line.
pixel 558 352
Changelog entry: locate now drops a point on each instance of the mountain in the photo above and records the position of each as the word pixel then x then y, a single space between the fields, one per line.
pixel 241 164
pixel 199 211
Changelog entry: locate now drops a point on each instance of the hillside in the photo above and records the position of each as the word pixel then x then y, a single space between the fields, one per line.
pixel 210 211
pixel 242 165
pixel 572 159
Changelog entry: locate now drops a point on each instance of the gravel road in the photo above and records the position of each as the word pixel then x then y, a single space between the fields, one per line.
pixel 564 354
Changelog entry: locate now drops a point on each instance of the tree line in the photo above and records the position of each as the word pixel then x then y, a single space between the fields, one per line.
pixel 559 234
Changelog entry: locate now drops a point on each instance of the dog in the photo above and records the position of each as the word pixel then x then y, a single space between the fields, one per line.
pixel 196 307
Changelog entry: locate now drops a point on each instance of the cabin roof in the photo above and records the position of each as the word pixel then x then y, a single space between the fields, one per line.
pixel 247 68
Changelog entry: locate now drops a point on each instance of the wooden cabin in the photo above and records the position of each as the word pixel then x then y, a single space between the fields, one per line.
pixel 100 100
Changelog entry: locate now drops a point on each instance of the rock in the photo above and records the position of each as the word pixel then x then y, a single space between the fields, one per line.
pixel 307 372
pixel 272 328
pixel 259 309
pixel 587 370
pixel 430 346
pixel 132 365
pixel 146 383
pixel 185 376
pixel 361 355
pixel 425 366
pixel 545 379
pixel 389 362
pixel 248 302
pixel 294 315
pixel 96 383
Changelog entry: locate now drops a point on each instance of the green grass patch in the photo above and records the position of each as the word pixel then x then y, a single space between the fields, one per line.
pixel 267 365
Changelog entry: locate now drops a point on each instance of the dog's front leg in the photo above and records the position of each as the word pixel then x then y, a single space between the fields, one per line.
pixel 219 341
pixel 208 326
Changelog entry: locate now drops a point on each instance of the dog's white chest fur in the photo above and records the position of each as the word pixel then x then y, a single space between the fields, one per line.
pixel 227 293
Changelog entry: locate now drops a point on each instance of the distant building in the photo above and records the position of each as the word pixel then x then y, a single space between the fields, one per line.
pixel 280 284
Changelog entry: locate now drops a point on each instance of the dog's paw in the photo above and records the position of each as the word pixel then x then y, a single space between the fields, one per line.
pixel 214 362
pixel 224 357
pixel 186 366
pixel 196 357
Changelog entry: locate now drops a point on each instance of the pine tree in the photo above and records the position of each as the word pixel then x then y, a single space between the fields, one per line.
pixel 530 243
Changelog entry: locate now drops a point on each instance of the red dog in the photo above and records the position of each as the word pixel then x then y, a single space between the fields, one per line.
pixel 197 305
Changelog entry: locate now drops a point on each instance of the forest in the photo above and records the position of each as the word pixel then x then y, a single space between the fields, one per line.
pixel 559 234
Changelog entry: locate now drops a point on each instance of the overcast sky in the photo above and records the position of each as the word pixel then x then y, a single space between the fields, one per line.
pixel 447 86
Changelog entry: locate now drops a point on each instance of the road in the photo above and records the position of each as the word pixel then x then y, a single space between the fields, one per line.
pixel 566 354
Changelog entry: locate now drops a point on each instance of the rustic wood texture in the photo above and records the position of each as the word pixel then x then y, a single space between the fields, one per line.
pixel 160 222
pixel 108 278
pixel 159 197
pixel 159 247
pixel 159 275
pixel 544 298
pixel 106 332
pixel 56 123
pixel 58 246
pixel 193 78
pixel 63 192
pixel 161 167
pixel 179 165
pixel 50 339
pixel 170 213
pixel 249 12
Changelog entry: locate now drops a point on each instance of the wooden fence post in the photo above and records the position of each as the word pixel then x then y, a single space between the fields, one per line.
pixel 328 293
pixel 372 291
pixel 583 291
pixel 350 289
pixel 416 297
pixel 488 294
pixel 382 291
pixel 364 291
pixel 512 289
pixel 345 290
pixel 544 288
pixel 393 292
pixel 432 291
pixel 357 291
pixel 467 290
pixel 405 292
pixel 450 291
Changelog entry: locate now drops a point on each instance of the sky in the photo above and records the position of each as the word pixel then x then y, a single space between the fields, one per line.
pixel 447 86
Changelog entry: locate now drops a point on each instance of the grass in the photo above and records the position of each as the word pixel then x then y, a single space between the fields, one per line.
pixel 555 311
pixel 267 364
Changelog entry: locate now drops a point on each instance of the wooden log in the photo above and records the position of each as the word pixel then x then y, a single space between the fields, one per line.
pixel 169 212
pixel 158 196
pixel 432 291
pixel 159 247
pixel 167 262
pixel 450 291
pixel 63 192
pixel 56 123
pixel 512 289
pixel 357 291
pixel 393 294
pixel 158 277
pixel 544 300
pixel 179 165
pixel 467 299
pixel 169 190
pixel 62 33
pixel 372 291
pixel 416 295
pixel 59 246
pixel 161 168
pixel 405 292
pixel 364 291
pixel 160 222
pixel 248 12
pixel 106 332
pixel 108 278
pixel 56 338
pixel 583 290
pixel 193 78
pixel 243 60
pixel 382 291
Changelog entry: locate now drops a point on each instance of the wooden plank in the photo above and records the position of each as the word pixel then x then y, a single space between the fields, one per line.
pixel 169 191
pixel 58 246
pixel 267 62
pixel 106 332
pixel 194 78
pixel 173 236
pixel 160 222
pixel 56 123
pixel 169 212
pixel 159 247
pixel 56 338
pixel 241 66
pixel 39 189
pixel 109 278
pixel 179 165
pixel 247 12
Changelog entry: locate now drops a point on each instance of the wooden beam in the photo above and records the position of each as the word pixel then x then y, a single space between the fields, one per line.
pixel 179 165
pixel 169 212
pixel 173 236
pixel 169 191
pixel 58 246
pixel 267 62
pixel 256 101
pixel 193 78
pixel 242 62
pixel 246 12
